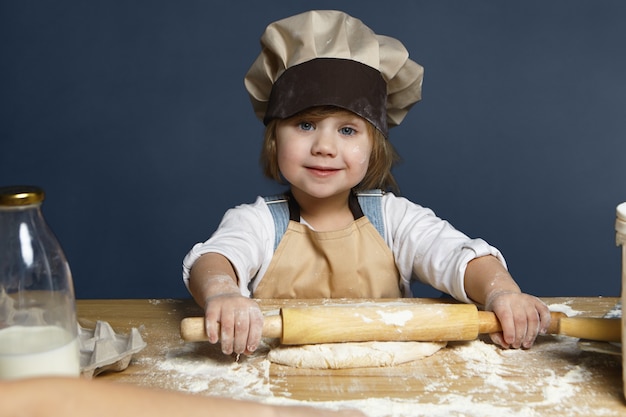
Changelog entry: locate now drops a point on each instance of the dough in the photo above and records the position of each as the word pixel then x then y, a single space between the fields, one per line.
pixel 352 355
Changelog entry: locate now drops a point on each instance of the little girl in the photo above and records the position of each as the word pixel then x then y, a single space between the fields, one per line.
pixel 327 89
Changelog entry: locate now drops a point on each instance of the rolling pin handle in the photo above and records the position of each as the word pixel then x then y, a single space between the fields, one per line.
pixel 273 327
pixel 192 329
pixel 555 323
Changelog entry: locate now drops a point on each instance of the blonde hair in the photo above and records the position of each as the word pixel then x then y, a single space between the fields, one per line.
pixel 382 158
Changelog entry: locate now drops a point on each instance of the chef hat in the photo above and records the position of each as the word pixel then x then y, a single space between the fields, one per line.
pixel 326 57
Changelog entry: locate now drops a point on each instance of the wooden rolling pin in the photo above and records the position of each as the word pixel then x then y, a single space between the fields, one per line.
pixel 410 322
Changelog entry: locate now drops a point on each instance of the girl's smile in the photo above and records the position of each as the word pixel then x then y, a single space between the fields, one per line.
pixel 322 171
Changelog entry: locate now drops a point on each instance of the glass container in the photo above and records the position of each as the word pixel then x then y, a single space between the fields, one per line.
pixel 38 328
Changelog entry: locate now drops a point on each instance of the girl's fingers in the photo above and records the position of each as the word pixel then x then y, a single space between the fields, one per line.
pixel 256 329
pixel 241 328
pixel 227 332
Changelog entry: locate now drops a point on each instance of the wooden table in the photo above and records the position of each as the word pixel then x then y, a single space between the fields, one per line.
pixel 473 378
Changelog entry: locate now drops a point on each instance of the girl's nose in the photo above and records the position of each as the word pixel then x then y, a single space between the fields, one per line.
pixel 324 144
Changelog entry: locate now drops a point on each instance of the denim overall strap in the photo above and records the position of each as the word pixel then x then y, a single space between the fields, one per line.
pixel 370 202
pixel 279 208
pixel 372 205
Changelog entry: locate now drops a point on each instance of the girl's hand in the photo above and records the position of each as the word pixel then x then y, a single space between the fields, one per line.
pixel 234 320
pixel 522 317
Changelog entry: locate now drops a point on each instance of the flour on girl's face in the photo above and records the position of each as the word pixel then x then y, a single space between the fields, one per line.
pixel 365 156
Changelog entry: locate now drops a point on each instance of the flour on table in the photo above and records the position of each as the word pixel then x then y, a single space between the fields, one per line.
pixel 352 355
pixel 564 308
pixel 497 377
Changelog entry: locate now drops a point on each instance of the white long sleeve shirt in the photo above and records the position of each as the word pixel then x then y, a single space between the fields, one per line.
pixel 424 246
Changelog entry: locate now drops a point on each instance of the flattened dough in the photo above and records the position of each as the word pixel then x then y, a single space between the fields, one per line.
pixel 352 355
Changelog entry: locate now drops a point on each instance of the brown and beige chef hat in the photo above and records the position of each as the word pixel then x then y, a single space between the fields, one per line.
pixel 326 57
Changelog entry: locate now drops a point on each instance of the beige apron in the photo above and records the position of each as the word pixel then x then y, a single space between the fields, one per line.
pixel 353 262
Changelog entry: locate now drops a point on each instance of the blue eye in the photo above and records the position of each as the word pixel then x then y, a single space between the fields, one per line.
pixel 348 131
pixel 305 125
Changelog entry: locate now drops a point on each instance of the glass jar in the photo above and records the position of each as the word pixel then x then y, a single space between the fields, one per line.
pixel 38 328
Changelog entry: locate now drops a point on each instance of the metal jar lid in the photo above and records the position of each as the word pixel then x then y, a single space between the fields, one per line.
pixel 20 195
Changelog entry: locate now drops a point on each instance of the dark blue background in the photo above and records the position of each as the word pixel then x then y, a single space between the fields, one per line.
pixel 133 117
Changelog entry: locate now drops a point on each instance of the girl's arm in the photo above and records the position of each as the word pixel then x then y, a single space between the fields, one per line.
pixel 522 316
pixel 231 318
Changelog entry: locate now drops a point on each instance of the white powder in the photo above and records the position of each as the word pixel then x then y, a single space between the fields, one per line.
pixel 559 388
pixel 481 353
pixel 363 318
pixel 494 377
pixel 200 367
pixel 615 312
pixel 564 308
pixel 398 318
